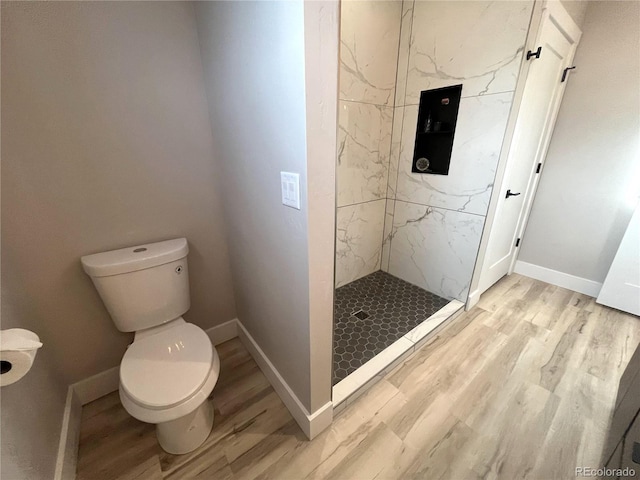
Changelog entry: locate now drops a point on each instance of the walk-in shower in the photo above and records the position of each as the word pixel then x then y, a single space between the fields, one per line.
pixel 425 94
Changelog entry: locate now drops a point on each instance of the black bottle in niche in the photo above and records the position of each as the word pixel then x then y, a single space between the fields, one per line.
pixel 437 117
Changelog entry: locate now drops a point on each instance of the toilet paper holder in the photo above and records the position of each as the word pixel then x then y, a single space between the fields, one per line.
pixel 18 339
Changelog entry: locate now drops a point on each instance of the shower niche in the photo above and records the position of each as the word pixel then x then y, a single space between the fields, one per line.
pixel 437 116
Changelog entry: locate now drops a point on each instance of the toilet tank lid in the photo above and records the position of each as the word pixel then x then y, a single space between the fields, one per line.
pixel 131 259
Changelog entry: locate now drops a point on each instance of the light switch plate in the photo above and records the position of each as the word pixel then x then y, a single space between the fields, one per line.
pixel 290 189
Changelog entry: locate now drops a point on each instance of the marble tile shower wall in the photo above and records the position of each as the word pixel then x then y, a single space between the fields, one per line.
pixel 369 39
pixel 433 223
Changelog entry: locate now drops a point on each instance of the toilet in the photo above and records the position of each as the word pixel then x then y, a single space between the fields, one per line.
pixel 170 369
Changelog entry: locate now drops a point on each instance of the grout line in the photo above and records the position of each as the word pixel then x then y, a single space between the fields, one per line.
pixel 441 208
pixel 404 90
pixel 365 103
pixel 412 203
pixel 393 124
pixel 360 203
pixel 464 96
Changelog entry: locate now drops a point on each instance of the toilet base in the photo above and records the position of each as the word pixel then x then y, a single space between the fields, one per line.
pixel 185 434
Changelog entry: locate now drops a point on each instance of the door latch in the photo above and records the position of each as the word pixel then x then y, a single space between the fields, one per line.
pixel 536 54
pixel 564 73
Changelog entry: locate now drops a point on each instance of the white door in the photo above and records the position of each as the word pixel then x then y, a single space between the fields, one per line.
pixel 621 288
pixel 557 36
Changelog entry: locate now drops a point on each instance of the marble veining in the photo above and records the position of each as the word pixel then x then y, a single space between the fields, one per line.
pixel 394 155
pixel 476 43
pixel 386 235
pixel 369 33
pixel 435 248
pixel 358 240
pixel 364 141
pixel 476 149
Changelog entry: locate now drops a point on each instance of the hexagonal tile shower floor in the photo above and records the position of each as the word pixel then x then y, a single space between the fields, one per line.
pixel 372 313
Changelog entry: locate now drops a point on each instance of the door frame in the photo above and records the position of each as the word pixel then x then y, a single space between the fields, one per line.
pixel 542 10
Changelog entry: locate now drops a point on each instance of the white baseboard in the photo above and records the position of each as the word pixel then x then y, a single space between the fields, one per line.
pixel 90 389
pixel 97 386
pixel 311 424
pixel 69 438
pixel 223 332
pixel 320 420
pixel 560 279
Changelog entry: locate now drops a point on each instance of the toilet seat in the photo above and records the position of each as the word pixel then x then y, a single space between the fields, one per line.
pixel 154 415
pixel 167 368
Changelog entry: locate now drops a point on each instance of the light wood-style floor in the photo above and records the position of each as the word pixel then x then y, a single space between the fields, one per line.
pixel 522 386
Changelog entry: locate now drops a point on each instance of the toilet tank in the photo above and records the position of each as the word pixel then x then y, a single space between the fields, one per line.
pixel 142 286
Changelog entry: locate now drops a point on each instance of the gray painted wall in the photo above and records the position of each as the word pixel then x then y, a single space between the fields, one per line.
pixel 253 56
pixel 105 143
pixel 591 179
pixel 577 9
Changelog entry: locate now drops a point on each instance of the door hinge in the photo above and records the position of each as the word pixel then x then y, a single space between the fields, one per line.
pixel 518 242
pixel 538 168
pixel 536 54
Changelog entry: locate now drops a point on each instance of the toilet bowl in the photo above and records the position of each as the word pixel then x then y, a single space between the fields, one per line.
pixel 166 377
pixel 171 368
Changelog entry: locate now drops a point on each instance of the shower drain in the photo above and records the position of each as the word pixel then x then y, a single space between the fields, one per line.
pixel 360 315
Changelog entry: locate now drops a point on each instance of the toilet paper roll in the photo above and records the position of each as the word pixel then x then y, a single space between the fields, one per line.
pixel 18 350
pixel 14 365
